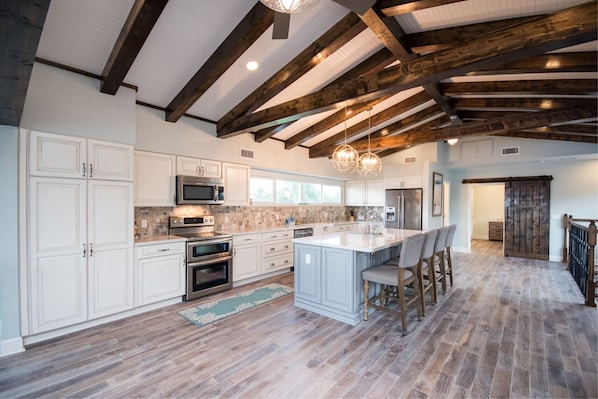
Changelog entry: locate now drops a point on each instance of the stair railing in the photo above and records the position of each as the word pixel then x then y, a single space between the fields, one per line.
pixel 579 244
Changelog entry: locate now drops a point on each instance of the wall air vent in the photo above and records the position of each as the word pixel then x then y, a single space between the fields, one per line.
pixel 247 153
pixel 505 151
pixel 409 160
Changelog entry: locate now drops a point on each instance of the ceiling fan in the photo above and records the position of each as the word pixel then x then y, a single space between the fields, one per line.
pixel 284 9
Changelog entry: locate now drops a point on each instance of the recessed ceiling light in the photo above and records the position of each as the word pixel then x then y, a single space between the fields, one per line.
pixel 252 65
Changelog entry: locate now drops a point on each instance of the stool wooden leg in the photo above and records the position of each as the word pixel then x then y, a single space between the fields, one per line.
pixel 366 290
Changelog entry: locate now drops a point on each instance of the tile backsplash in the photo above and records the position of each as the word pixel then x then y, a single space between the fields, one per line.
pixel 236 218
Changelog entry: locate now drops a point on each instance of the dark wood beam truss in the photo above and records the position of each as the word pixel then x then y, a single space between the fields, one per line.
pixel 390 8
pixel 543 34
pixel 21 24
pixel 251 27
pixel 143 16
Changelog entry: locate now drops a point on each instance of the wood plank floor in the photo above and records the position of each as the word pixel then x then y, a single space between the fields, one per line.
pixel 509 327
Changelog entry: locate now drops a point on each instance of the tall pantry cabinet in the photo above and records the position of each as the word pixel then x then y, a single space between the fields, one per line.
pixel 81 264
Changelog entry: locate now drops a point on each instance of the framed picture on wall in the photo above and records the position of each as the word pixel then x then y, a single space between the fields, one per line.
pixel 436 194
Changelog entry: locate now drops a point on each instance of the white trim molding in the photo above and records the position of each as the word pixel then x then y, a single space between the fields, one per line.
pixel 11 346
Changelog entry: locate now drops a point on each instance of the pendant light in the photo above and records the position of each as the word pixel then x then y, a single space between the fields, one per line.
pixel 369 164
pixel 345 157
pixel 289 6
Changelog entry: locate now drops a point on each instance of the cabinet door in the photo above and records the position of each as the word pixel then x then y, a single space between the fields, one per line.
pixel 236 182
pixel 58 253
pixel 188 166
pixel 308 279
pixel 246 262
pixel 110 237
pixel 355 193
pixel 337 279
pixel 154 179
pixel 375 193
pixel 57 155
pixel 109 161
pixel 412 182
pixel 110 277
pixel 210 168
pixel 160 278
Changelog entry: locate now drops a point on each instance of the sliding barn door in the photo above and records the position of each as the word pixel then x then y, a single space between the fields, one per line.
pixel 527 218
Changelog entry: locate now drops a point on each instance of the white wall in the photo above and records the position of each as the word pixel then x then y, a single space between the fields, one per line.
pixel 488 205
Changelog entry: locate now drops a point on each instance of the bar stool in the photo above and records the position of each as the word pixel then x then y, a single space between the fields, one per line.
pixel 447 251
pixel 439 266
pixel 393 280
pixel 426 269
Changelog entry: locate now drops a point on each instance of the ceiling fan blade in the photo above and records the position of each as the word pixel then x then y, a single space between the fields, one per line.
pixel 280 28
pixel 357 6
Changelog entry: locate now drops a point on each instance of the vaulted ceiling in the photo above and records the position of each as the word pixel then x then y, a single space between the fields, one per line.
pixel 405 72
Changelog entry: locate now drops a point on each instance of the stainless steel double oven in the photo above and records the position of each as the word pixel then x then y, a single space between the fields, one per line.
pixel 209 255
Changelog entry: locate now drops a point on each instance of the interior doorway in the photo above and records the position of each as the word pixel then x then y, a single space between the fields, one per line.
pixel 487 212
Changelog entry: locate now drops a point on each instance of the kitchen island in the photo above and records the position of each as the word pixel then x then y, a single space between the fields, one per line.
pixel 328 270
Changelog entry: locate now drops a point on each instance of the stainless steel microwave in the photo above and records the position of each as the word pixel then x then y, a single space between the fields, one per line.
pixel 192 190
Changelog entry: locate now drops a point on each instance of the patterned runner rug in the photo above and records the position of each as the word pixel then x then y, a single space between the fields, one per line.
pixel 211 311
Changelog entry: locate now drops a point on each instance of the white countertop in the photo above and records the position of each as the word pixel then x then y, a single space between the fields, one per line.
pixel 359 242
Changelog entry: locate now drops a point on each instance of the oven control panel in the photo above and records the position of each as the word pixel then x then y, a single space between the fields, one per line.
pixel 191 221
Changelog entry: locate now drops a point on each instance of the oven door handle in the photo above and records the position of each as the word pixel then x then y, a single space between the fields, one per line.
pixel 209 261
pixel 218 240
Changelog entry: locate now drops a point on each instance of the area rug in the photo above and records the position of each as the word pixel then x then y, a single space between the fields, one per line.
pixel 211 311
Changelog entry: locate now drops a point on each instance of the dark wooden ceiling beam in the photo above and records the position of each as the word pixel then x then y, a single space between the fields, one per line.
pixel 505 124
pixel 564 28
pixel 323 147
pixel 143 16
pixel 251 27
pixel 433 124
pixel 391 34
pixel 548 135
pixel 522 104
pixel 390 8
pixel 376 62
pixel 568 87
pixel 438 39
pixel 21 24
pixel 408 122
pixel 336 37
pixel 555 62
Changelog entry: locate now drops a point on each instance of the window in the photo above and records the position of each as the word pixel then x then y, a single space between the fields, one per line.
pixel 268 187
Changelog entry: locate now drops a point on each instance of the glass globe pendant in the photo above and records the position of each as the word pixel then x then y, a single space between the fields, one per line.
pixel 345 157
pixel 289 6
pixel 369 164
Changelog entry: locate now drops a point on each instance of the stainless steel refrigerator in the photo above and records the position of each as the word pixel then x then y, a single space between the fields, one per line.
pixel 403 209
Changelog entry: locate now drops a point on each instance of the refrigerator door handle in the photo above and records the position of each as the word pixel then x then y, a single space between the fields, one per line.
pixel 401 212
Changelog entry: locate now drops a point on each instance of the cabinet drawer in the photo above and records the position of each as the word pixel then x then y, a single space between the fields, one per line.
pixel 160 249
pixel 277 247
pixel 246 239
pixel 277 235
pixel 278 262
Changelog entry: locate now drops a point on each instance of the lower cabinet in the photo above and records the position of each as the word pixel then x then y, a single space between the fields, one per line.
pixel 160 272
pixel 246 256
pixel 277 250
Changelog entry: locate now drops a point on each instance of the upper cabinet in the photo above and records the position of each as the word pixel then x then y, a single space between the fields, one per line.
pixel 198 167
pixel 403 182
pixel 365 193
pixel 56 155
pixel 236 184
pixel 154 179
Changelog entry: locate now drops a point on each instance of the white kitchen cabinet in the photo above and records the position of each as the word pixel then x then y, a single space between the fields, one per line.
pixel 160 272
pixel 154 179
pixel 55 155
pixel 403 182
pixel 344 227
pixel 81 250
pixel 323 229
pixel 236 183
pixel 58 257
pixel 198 167
pixel 246 256
pixel 110 247
pixel 365 193
pixel 277 250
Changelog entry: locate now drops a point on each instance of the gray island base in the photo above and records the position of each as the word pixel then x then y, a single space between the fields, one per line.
pixel 328 270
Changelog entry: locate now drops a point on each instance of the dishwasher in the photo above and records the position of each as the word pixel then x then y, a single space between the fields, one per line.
pixel 300 233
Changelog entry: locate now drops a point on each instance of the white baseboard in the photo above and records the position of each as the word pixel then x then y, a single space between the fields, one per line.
pixel 11 346
pixel 461 249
